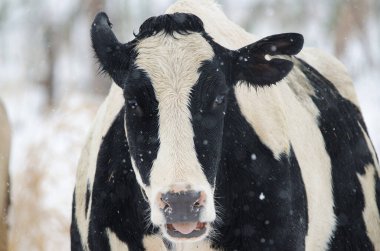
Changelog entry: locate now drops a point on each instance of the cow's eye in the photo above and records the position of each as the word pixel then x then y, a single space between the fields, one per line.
pixel 219 99
pixel 132 103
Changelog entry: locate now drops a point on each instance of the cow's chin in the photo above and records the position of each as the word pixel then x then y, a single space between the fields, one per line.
pixel 180 232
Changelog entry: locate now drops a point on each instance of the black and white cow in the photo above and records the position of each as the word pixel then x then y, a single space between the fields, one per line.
pixel 4 175
pixel 212 141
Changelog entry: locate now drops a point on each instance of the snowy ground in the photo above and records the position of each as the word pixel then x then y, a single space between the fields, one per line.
pixel 47 143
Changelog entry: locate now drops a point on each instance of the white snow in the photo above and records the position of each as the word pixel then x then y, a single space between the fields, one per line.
pixel 261 196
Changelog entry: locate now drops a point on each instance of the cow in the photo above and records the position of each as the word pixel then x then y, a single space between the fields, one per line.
pixel 211 139
pixel 4 176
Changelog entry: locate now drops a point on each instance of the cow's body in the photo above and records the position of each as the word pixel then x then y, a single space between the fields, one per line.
pixel 297 171
pixel 4 176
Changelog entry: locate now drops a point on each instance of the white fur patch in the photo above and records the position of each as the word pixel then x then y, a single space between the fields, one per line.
pixel 154 243
pixel 201 246
pixel 371 149
pixel 115 243
pixel 370 213
pixel 172 65
pixel 263 109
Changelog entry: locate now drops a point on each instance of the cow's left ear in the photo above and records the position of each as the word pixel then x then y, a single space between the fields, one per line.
pixel 113 56
pixel 252 64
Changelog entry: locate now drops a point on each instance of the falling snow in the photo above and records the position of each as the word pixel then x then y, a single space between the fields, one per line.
pixel 261 196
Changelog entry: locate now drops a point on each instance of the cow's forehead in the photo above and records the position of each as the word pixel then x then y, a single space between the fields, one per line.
pixel 172 62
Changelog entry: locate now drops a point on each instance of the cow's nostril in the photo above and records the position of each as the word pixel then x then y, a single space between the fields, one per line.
pixel 163 203
pixel 167 209
pixel 166 204
pixel 197 204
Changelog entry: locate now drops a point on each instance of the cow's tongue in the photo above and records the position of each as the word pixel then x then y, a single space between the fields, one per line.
pixel 185 228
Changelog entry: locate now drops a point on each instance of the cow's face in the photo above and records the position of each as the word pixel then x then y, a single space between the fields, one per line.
pixel 175 80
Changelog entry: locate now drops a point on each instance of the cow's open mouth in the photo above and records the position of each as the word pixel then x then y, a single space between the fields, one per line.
pixel 186 229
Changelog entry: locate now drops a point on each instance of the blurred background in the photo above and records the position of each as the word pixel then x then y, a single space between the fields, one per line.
pixel 51 89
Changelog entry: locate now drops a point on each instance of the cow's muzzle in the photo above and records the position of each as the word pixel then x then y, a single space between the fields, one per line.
pixel 182 211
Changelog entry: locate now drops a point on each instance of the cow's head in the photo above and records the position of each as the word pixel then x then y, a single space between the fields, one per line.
pixel 175 80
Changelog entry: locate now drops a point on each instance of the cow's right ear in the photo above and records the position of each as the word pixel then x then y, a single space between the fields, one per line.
pixel 113 56
pixel 252 64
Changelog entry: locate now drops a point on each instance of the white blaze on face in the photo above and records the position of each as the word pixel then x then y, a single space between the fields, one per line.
pixel 172 65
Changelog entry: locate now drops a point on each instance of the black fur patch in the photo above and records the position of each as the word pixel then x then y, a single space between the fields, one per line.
pixel 208 117
pixel 117 201
pixel 182 23
pixel 345 143
pixel 141 110
pixel 88 195
pixel 262 200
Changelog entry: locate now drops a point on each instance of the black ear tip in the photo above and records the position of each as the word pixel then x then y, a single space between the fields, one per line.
pixel 297 39
pixel 102 20
pixel 294 42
